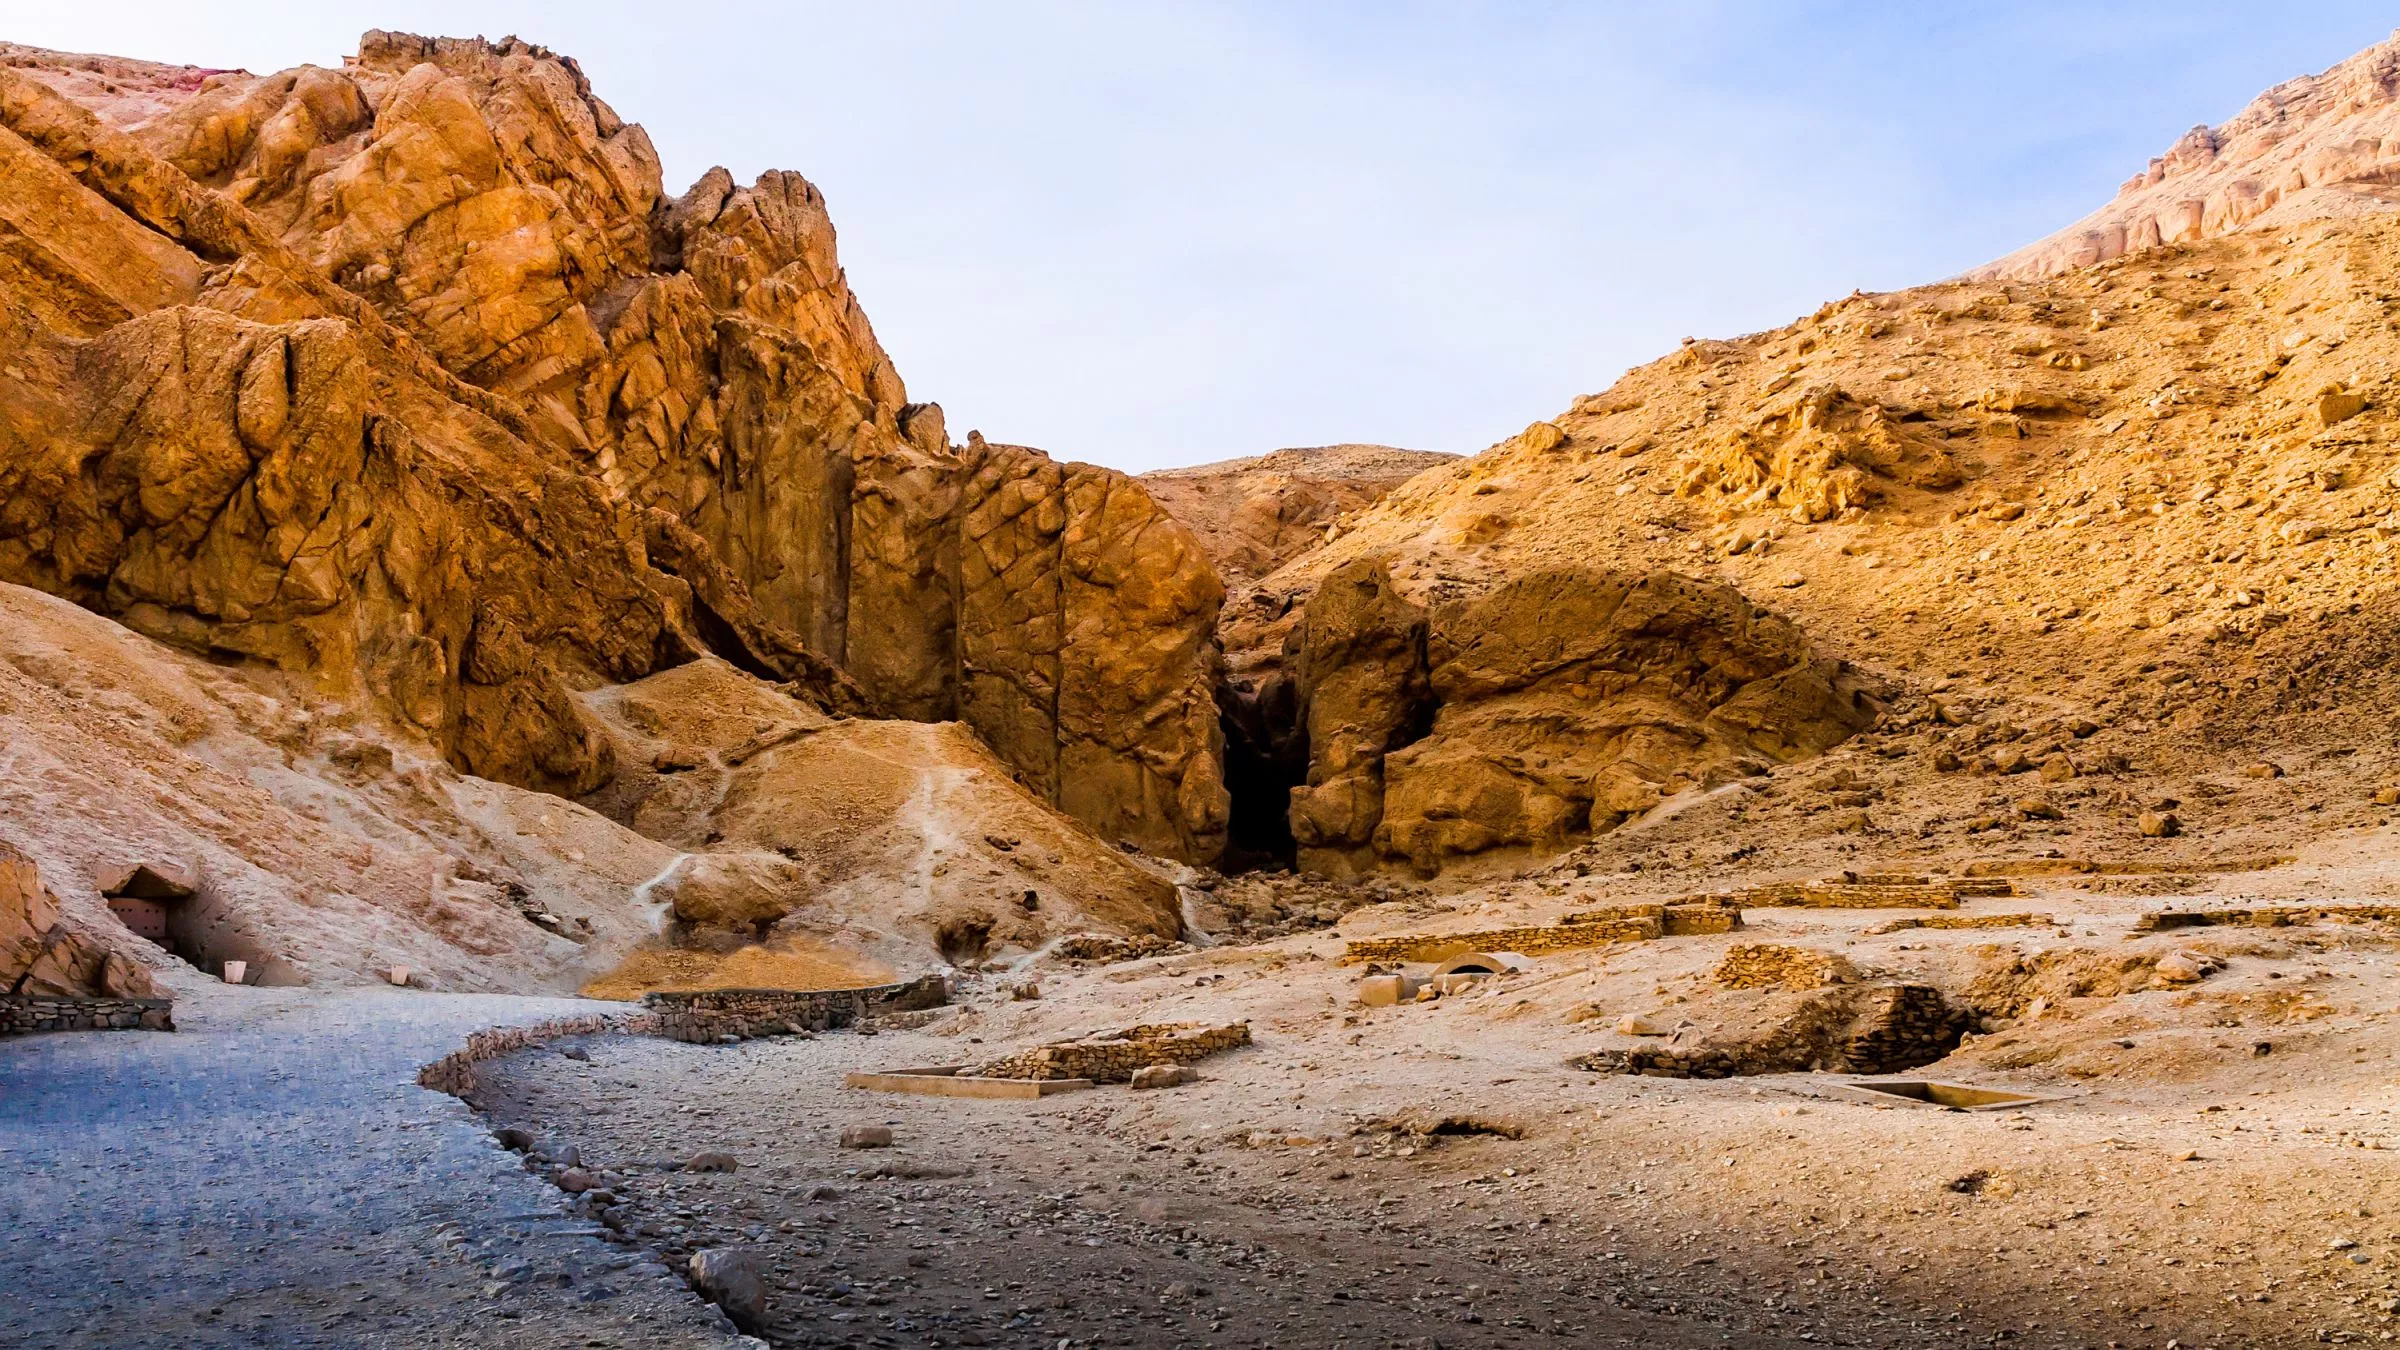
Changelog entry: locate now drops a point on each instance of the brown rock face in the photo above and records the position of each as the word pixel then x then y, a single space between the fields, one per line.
pixel 1363 693
pixel 41 953
pixel 2321 145
pixel 1563 701
pixel 411 375
pixel 1085 649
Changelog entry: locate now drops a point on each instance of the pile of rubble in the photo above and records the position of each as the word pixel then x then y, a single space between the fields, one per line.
pixel 1851 1028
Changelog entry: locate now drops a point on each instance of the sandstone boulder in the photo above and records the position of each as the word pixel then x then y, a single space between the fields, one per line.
pixel 1568 700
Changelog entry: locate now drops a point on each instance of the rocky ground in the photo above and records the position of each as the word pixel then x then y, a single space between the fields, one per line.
pixel 271 1175
pixel 1437 1173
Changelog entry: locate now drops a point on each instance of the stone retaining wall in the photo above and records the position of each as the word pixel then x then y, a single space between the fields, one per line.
pixel 1845 895
pixel 1764 965
pixel 1963 921
pixel 24 1014
pixel 1113 1056
pixel 1585 928
pixel 454 1073
pixel 715 1016
pixel 2264 916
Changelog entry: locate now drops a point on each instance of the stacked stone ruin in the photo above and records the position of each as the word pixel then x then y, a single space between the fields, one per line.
pixel 719 1016
pixel 1768 965
pixel 1104 947
pixel 1962 921
pixel 2262 916
pixel 1115 1056
pixel 1586 928
pixel 1871 890
pixel 25 1014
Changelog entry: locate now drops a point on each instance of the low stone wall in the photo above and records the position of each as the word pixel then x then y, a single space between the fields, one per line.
pixel 1113 1056
pixel 1584 928
pixel 24 1014
pixel 1841 895
pixel 454 1073
pixel 1105 947
pixel 1963 921
pixel 718 1016
pixel 1765 965
pixel 2262 916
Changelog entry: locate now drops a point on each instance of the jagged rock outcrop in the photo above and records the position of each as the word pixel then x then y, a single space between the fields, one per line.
pixel 42 952
pixel 1255 514
pixel 2321 145
pixel 1814 455
pixel 1363 693
pixel 1561 703
pixel 410 374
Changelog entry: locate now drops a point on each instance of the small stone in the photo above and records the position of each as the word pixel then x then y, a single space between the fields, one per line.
pixel 1160 1076
pixel 2264 769
pixel 711 1161
pixel 575 1181
pixel 2160 824
pixel 2389 796
pixel 2057 769
pixel 729 1278
pixel 2036 808
pixel 867 1136
pixel 513 1139
pixel 1635 1024
pixel 2337 406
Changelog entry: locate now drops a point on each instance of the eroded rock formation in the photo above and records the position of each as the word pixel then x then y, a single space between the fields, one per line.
pixel 1557 704
pixel 42 952
pixel 411 375
pixel 2321 145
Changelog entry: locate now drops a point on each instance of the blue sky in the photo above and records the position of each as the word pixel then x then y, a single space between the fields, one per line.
pixel 1153 234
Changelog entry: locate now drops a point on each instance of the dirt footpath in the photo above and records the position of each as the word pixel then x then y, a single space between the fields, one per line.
pixel 271 1175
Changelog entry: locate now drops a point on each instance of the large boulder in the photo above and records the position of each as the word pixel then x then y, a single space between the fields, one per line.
pixel 1561 702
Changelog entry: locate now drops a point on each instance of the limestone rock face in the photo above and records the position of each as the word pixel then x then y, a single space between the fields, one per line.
pixel 410 374
pixel 1085 647
pixel 1562 701
pixel 2321 145
pixel 43 953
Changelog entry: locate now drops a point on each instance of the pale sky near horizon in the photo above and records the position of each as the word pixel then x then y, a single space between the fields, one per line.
pixel 1147 234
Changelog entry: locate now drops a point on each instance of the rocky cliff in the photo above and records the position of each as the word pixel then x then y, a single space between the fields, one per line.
pixel 411 375
pixel 2317 146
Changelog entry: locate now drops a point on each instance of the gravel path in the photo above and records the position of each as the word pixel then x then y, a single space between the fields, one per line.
pixel 271 1175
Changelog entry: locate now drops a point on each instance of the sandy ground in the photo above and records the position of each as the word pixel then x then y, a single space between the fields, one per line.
pixel 2176 1186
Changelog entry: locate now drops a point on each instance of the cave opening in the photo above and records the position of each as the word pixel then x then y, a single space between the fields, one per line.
pixel 1266 756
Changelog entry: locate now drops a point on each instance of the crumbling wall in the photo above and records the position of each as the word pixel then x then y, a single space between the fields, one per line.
pixel 23 1015
pixel 710 1016
pixel 1114 1056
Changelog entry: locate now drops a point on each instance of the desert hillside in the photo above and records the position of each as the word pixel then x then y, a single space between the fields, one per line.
pixel 2323 145
pixel 1259 512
